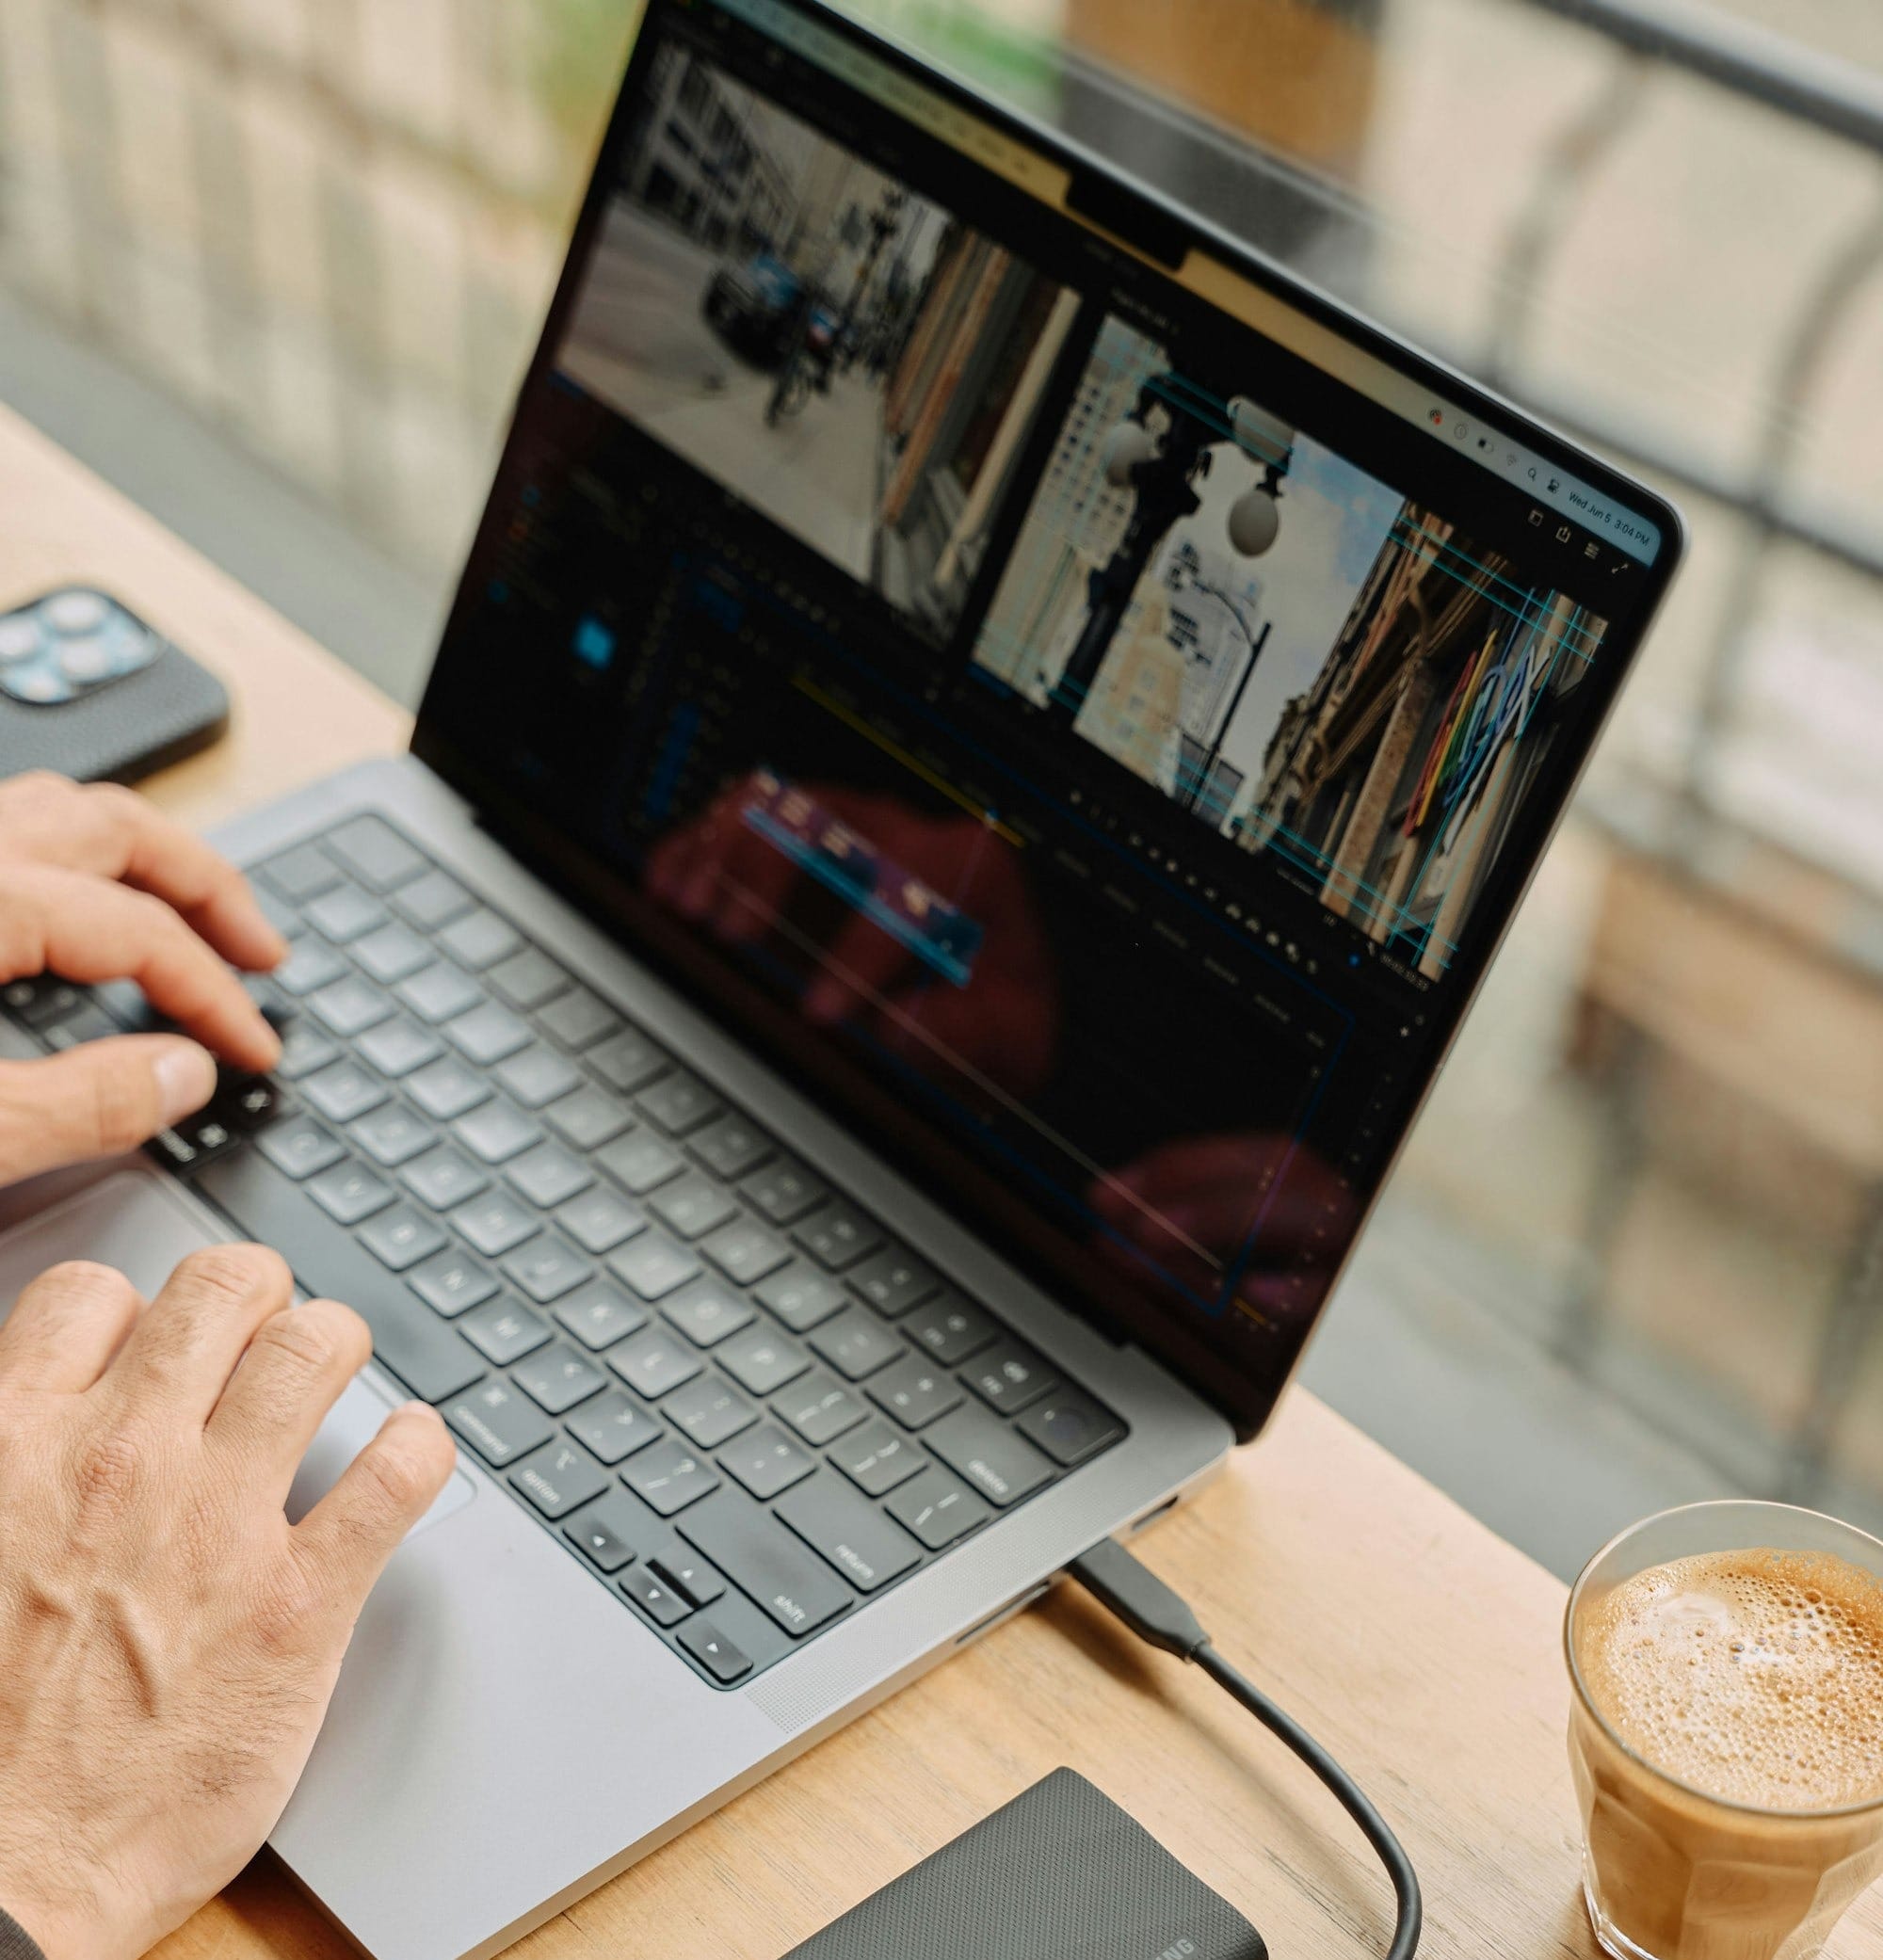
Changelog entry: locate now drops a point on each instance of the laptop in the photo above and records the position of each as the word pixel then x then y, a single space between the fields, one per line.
pixel 984 743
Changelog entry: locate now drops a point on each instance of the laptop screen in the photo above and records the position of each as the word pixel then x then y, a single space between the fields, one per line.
pixel 1070 699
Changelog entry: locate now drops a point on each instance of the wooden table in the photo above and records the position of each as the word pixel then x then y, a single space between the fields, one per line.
pixel 1422 1650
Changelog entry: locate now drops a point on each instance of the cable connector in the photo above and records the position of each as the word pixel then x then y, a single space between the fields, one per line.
pixel 1141 1599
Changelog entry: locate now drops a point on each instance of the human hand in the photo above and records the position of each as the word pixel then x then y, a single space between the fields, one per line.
pixel 95 885
pixel 171 1640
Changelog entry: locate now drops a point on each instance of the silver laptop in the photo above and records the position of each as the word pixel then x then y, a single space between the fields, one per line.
pixel 984 743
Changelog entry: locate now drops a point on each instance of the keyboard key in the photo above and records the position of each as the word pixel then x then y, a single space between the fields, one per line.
pixel 495 1223
pixel 499 1422
pixel 689 1575
pixel 299 1148
pixel 730 1146
pixel 783 1191
pixel 527 979
pixel 1001 1465
pixel 391 1137
pixel 310 967
pixel 746 1252
pixel 301 874
pixel 599 1221
pixel 547 1268
pixel 277 911
pixel 344 1092
pixel 603 1533
pixel 915 1392
pixel 597 1316
pixel 708 1413
pixel 837 1236
pixel 479 939
pixel 375 853
pixel 669 1477
pixel 438 994
pixel 447 1089
pixel 762 1360
pixel 714 1651
pixel 487 1033
pixel 431 900
pixel 557 1378
pixel 627 1061
pixel 1009 1377
pixel 894 1282
pixel 401 1237
pixel 549 1176
pixel 451 1284
pixel 855 1345
pixel 349 1192
pixel 640 1162
pixel 951 1329
pixel 801 1296
pixel 396 1047
pixel 577 1020
pixel 345 913
pixel 661 1603
pixel 679 1104
pixel 708 1312
pixel 350 1006
pixel 1069 1426
pixel 937 1508
pixel 444 1180
pixel 767 1462
pixel 392 954
pixel 876 1459
pixel 305 1048
pixel 504 1332
pixel 820 1408
pixel 653 1362
pixel 767 1562
pixel 849 1532
pixel 538 1075
pixel 654 1267
pixel 588 1119
pixel 613 1426
pixel 498 1132
pixel 692 1207
pixel 559 1478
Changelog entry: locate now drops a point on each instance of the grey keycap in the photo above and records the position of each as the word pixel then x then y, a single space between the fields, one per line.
pixel 661 1603
pixel 767 1462
pixel 537 1074
pixel 613 1426
pixel 627 1060
pixel 439 992
pixel 915 1390
pixel 783 1191
pixel 302 872
pixel 577 1020
pixel 692 1207
pixel 557 1378
pixel 487 1033
pixel 724 1662
pixel 744 1251
pixel 689 1575
pixel 730 1146
pixel 505 1330
pixel 444 1180
pixel 856 1343
pixel 1009 1377
pixel 547 1268
pixel 894 1281
pixel 837 1236
pixel 299 1148
pixel 431 900
pixel 598 1315
pixel 310 967
pixel 305 1048
pixel 951 1329
pixel 763 1360
pixel 401 1237
pixel 494 1222
pixel 499 1421
pixel 279 912
pixel 1069 1426
pixel 496 1132
pixel 849 1532
pixel 604 1532
pixel 549 1176
pixel 391 1135
pixel 345 912
pixel 392 954
pixel 707 1311
pixel 708 1412
pixel 653 1362
pixel 375 853
pixel 801 1296
pixel 876 1459
pixel 559 1478
pixel 654 1265
pixel 479 939
pixel 999 1462
pixel 937 1508
pixel 679 1102
pixel 351 1192
pixel 669 1477
pixel 588 1119
pixel 447 1089
pixel 820 1408
pixel 640 1162
pixel 527 979
pixel 350 1006
pixel 766 1562
pixel 601 1219
pixel 451 1282
pixel 344 1092
pixel 396 1047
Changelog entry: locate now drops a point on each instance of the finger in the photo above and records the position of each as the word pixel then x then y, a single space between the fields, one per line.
pixel 98 1100
pixel 294 1372
pixel 65 1328
pixel 189 1340
pixel 351 1532
pixel 89 929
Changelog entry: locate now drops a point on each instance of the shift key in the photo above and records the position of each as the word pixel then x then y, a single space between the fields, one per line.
pixel 764 1559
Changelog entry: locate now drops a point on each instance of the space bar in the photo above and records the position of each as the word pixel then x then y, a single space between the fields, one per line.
pixel 430 1359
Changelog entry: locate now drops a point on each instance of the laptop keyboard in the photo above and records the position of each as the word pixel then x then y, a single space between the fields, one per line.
pixel 720 1381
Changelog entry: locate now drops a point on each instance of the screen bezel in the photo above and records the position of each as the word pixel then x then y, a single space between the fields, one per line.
pixel 569 866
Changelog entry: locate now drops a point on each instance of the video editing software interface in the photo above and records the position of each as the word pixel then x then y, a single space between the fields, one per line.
pixel 1099 728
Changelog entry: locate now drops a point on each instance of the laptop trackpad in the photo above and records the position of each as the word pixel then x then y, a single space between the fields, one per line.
pixel 139 1221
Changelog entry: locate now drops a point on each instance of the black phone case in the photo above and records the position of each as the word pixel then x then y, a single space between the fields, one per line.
pixel 127 730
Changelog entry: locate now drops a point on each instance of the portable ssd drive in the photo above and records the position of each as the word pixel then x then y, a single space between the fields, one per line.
pixel 1059 1873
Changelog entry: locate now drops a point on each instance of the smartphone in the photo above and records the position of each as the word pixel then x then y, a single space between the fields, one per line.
pixel 89 689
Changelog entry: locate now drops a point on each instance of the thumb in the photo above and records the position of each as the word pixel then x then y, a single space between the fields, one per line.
pixel 97 1099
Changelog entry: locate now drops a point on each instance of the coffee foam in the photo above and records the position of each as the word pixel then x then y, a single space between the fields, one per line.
pixel 1753 1675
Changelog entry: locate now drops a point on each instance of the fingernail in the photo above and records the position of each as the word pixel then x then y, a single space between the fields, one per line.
pixel 185 1080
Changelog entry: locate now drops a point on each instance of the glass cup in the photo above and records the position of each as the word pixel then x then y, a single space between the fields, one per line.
pixel 1670 1872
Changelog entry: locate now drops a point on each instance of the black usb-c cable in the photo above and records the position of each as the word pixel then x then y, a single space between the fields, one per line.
pixel 1155 1614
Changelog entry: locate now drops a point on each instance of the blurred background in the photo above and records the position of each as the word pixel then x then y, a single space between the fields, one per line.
pixel 274 266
